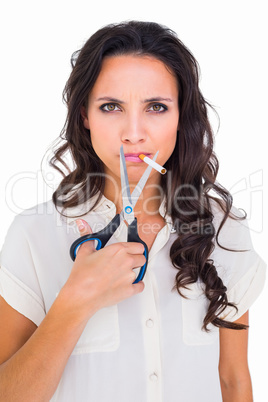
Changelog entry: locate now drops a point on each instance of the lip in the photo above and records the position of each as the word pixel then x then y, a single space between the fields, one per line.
pixel 137 153
pixel 134 157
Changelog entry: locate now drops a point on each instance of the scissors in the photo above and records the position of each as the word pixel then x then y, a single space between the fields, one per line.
pixel 127 214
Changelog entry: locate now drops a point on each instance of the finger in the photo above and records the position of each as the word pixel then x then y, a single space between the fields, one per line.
pixel 85 229
pixel 138 261
pixel 133 247
pixel 138 287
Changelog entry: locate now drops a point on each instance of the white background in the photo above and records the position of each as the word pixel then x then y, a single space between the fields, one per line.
pixel 229 39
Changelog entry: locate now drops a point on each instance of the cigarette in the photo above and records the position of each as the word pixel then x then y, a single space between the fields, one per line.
pixel 152 163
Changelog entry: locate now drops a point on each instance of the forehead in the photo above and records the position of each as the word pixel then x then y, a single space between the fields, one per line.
pixel 136 73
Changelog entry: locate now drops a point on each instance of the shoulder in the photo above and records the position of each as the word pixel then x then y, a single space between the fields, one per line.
pixel 47 221
pixel 234 232
pixel 234 255
pixel 238 265
pixel 44 214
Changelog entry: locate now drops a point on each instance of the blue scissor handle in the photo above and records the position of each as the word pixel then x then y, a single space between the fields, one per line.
pixel 84 239
pixel 102 237
pixel 134 237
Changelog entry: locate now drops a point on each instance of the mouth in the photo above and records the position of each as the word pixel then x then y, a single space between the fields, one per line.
pixel 134 157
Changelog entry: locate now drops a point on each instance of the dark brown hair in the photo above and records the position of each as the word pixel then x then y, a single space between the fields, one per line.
pixel 193 164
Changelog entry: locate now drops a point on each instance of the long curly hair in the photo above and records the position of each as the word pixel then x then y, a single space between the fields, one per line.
pixel 192 165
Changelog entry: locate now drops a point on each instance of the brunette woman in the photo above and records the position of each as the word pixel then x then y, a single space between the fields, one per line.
pixel 83 331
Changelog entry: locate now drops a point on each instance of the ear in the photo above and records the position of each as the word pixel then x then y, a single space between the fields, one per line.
pixel 84 117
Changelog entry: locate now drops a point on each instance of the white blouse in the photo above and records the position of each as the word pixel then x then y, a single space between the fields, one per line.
pixel 148 348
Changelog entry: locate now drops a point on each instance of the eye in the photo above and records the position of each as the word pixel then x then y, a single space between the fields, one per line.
pixel 109 107
pixel 158 108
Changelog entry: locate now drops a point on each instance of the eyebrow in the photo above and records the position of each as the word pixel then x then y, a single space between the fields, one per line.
pixel 154 99
pixel 158 99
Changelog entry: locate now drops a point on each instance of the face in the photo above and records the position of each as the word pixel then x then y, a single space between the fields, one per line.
pixel 133 103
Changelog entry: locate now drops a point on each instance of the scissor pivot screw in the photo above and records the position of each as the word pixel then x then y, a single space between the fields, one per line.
pixel 128 210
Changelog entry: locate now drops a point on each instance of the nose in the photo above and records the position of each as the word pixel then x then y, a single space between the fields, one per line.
pixel 133 130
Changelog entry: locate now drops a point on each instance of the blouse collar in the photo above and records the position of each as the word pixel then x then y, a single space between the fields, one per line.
pixel 107 209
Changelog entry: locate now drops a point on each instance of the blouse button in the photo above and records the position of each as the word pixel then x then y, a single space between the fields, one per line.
pixel 149 323
pixel 153 377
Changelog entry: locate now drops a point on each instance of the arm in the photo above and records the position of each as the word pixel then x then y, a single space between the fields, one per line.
pixel 32 359
pixel 233 365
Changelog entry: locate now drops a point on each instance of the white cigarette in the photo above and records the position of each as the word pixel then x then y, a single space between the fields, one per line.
pixel 152 163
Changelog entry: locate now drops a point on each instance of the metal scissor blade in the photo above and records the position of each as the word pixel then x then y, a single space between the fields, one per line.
pixel 128 212
pixel 139 187
pixel 124 176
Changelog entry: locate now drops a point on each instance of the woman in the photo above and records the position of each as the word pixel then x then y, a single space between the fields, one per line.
pixel 83 331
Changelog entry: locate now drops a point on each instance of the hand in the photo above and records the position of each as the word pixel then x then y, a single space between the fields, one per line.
pixel 105 277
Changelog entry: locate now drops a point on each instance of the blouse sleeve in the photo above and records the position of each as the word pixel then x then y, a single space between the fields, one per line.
pixel 19 284
pixel 242 270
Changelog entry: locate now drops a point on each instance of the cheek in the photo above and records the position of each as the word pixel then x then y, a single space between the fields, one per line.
pixel 170 136
pixel 169 141
pixel 103 141
pixel 100 133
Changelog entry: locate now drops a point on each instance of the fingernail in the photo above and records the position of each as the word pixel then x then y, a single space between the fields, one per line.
pixel 80 224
